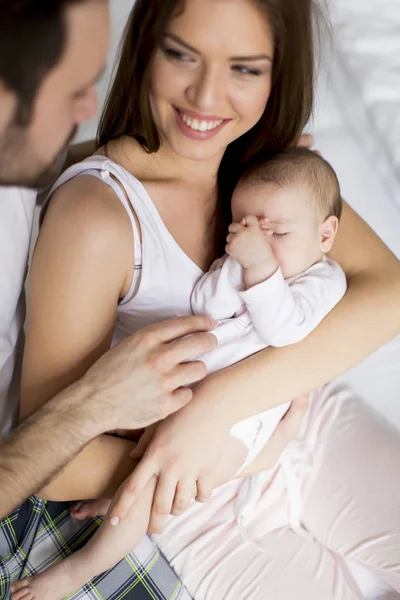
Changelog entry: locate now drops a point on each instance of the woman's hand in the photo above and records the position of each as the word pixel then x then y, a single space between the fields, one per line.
pixel 307 141
pixel 184 453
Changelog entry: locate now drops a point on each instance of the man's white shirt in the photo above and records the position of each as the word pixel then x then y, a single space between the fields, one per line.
pixel 17 206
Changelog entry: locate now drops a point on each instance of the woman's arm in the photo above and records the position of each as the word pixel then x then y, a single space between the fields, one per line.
pixel 366 318
pixel 96 472
pixel 82 264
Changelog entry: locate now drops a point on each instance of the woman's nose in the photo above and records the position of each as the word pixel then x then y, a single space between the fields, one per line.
pixel 206 91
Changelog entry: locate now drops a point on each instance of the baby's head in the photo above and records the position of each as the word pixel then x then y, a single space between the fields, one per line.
pixel 299 193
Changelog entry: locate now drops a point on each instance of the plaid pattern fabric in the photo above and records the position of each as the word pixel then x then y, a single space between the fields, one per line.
pixel 40 534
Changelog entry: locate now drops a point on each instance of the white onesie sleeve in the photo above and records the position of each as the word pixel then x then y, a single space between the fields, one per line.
pixel 284 312
pixel 216 294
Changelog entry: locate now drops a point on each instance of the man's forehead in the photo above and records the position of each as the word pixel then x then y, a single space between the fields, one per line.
pixel 88 27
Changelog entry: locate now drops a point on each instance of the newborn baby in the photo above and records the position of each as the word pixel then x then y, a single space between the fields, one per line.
pixel 275 284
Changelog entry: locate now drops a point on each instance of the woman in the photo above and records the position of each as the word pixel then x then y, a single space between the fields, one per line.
pixel 203 88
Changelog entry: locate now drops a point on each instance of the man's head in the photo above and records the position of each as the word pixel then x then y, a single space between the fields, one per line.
pixel 51 54
pixel 298 192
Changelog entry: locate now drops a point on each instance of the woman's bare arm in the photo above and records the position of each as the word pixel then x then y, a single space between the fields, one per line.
pixel 96 472
pixel 80 268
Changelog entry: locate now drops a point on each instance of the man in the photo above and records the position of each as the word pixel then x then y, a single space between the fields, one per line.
pixel 51 54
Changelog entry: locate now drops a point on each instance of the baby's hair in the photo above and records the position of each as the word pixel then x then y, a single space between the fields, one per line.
pixel 299 166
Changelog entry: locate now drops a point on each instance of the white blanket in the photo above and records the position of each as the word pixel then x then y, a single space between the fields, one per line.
pixel 357 124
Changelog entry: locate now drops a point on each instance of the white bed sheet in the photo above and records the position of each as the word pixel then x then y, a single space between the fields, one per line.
pixel 346 139
pixel 367 35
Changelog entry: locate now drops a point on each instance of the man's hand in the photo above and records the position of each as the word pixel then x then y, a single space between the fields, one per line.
pixel 144 378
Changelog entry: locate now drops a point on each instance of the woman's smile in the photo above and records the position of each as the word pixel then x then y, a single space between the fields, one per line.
pixel 198 127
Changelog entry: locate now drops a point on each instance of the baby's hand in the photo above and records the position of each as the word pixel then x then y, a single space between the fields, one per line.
pixel 248 243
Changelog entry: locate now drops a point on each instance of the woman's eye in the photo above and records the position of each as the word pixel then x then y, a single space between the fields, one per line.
pixel 280 235
pixel 176 54
pixel 242 70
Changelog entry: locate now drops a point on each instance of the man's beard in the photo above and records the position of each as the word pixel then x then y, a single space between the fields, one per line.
pixel 19 166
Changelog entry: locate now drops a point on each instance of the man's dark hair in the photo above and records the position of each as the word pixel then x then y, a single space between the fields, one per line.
pixel 33 37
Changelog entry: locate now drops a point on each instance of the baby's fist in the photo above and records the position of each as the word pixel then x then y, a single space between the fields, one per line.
pixel 247 244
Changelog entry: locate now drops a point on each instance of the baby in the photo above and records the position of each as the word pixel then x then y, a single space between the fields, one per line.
pixel 273 287
pixel 275 284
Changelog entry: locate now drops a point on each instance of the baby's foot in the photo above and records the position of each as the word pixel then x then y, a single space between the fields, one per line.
pixel 90 508
pixel 54 584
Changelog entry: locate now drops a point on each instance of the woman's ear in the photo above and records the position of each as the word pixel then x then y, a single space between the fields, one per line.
pixel 327 233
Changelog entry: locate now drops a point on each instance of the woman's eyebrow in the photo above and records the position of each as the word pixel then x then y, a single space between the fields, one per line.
pixel 253 57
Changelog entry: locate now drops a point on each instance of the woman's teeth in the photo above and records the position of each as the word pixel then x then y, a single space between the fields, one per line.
pixel 198 125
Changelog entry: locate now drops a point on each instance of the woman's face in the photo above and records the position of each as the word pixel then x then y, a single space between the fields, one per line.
pixel 211 77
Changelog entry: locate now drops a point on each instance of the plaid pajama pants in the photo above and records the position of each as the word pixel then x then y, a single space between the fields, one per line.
pixel 39 534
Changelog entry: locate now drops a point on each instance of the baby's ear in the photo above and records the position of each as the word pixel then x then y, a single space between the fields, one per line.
pixel 327 233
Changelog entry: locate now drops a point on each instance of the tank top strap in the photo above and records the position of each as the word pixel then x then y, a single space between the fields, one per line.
pixel 107 171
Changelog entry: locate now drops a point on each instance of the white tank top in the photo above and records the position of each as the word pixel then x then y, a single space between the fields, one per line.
pixel 164 276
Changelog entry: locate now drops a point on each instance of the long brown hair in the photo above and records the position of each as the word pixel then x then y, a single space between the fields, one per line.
pixel 127 110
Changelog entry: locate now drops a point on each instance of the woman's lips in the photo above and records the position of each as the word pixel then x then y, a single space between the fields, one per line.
pixel 198 127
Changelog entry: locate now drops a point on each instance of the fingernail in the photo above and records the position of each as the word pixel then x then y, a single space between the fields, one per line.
pixel 114 521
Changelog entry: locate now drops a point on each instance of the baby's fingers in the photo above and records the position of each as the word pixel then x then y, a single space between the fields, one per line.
pixel 235 227
pixel 250 221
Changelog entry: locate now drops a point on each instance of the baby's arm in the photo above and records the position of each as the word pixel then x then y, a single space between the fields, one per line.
pixel 284 313
pixel 216 294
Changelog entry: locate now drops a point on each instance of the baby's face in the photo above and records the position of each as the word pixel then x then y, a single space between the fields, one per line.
pixel 295 222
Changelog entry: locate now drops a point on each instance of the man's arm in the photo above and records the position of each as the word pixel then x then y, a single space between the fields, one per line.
pixel 44 444
pixel 136 383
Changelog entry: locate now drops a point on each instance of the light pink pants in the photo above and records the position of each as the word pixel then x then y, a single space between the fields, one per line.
pixel 335 494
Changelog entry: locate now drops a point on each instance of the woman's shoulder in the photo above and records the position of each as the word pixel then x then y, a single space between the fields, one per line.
pixel 89 203
pixel 86 219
